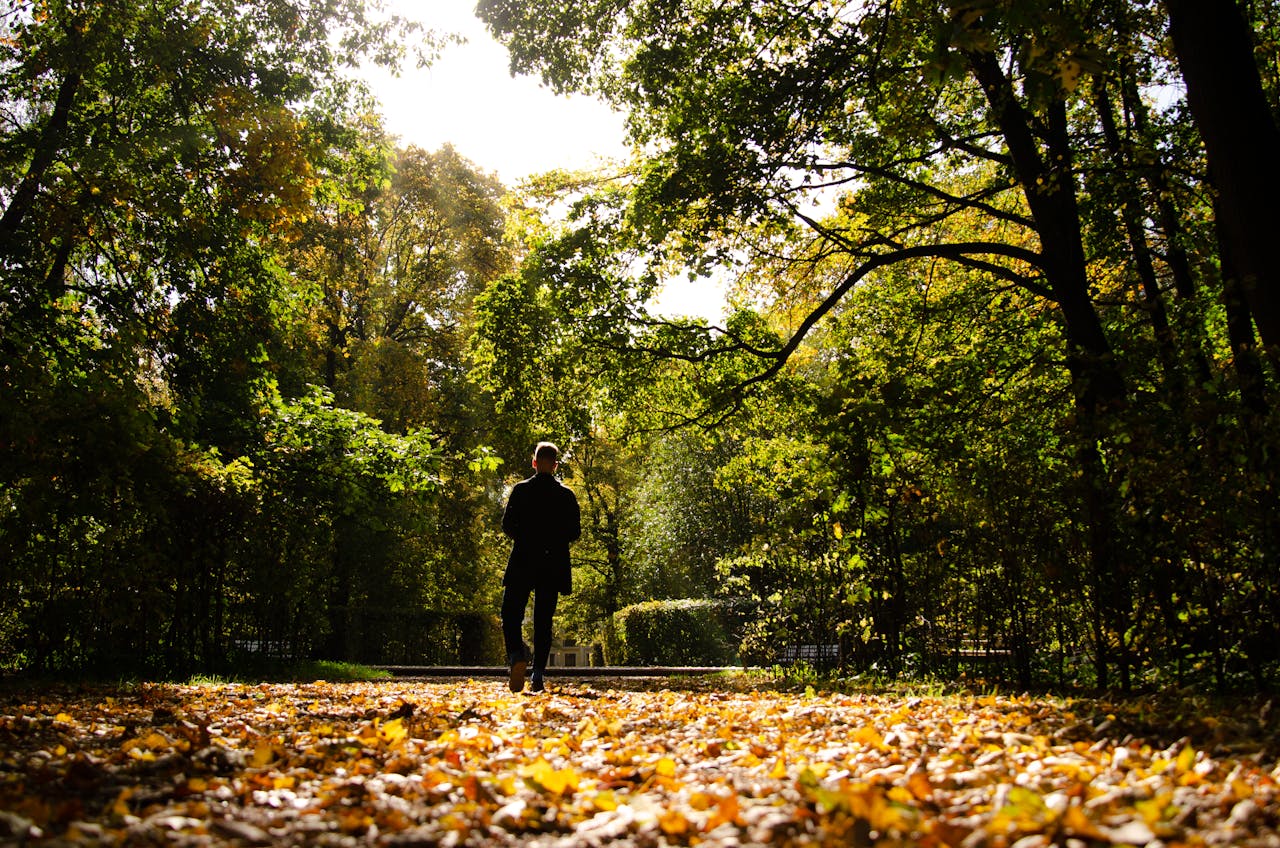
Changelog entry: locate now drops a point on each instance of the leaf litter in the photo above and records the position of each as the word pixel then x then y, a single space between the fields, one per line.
pixel 406 763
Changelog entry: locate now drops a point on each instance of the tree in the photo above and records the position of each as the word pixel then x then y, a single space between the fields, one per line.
pixel 1224 90
pixel 968 134
pixel 156 161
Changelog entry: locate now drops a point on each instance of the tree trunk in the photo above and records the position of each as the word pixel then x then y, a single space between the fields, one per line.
pixel 1131 213
pixel 1244 354
pixel 46 151
pixel 1048 182
pixel 1215 52
pixel 1050 193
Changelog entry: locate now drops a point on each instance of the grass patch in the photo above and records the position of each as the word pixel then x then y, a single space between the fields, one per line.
pixel 302 671
pixel 338 671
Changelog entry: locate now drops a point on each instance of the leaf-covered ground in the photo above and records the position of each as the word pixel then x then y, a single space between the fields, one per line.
pixel 468 763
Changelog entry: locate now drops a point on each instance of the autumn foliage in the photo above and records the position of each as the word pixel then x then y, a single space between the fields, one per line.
pixel 466 762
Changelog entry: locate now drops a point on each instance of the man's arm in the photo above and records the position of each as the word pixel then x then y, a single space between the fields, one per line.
pixel 511 515
pixel 573 525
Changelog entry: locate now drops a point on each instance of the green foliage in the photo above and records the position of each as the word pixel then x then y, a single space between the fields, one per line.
pixel 683 520
pixel 988 399
pixel 676 632
pixel 1031 420
pixel 174 495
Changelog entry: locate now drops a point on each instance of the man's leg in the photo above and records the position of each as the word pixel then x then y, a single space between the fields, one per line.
pixel 544 611
pixel 514 602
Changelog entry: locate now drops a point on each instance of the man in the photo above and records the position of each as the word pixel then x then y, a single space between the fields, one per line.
pixel 543 519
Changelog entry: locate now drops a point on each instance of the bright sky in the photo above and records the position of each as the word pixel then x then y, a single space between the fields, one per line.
pixel 468 98
pixel 513 127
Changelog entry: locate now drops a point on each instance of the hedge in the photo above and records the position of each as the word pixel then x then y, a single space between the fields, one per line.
pixel 699 632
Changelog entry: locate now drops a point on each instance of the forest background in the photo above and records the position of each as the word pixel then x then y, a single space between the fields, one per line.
pixel 1000 369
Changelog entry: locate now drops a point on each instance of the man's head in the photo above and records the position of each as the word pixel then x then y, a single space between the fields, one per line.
pixel 546 457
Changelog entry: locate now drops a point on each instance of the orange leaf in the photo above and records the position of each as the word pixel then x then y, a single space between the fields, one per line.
pixel 673 823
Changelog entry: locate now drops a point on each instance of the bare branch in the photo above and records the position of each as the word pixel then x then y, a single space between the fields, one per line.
pixel 976 201
pixel 958 252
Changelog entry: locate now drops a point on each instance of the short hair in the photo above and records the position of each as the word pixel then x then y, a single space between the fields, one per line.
pixel 546 451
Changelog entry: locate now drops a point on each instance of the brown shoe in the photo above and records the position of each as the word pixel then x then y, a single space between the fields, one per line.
pixel 519 663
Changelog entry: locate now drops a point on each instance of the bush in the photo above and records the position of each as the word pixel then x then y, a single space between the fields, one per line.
pixel 682 632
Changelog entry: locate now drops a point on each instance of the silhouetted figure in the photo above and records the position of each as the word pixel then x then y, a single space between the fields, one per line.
pixel 543 519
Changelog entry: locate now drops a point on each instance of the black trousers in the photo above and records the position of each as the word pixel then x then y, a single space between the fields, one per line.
pixel 515 599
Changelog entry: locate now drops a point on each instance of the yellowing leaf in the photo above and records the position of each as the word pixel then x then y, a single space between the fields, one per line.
pixel 1076 823
pixel 673 822
pixel 1154 809
pixel 393 732
pixel 919 785
pixel 263 754
pixel 869 736
pixel 728 809
pixel 120 806
pixel 1186 759
pixel 544 776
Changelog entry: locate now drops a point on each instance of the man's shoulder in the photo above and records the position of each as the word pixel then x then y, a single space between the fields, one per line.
pixel 547 481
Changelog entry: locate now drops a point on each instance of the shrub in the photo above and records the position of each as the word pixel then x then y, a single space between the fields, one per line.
pixel 680 632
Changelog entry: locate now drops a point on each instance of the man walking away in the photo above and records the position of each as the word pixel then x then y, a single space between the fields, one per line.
pixel 542 519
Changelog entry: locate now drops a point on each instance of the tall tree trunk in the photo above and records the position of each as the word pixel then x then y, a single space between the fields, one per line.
pixel 46 151
pixel 1169 223
pixel 1157 180
pixel 1048 181
pixel 1215 52
pixel 1131 213
pixel 1244 354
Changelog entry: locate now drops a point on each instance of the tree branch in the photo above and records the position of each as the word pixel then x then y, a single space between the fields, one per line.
pixel 958 252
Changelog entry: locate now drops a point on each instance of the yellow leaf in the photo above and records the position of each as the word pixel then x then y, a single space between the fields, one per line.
pixel 901 794
pixel 665 767
pixel 150 742
pixel 543 776
pixel 1069 74
pixel 393 732
pixel 673 823
pixel 1186 759
pixel 1076 823
pixel 263 754
pixel 120 806
pixel 605 801
pixel 918 783
pixel 728 809
pixel 869 736
pixel 779 769
pixel 1154 809
pixel 872 804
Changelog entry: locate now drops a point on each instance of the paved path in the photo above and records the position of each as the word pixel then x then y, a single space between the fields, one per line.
pixel 557 671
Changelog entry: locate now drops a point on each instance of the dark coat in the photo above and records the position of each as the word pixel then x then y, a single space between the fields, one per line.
pixel 542 518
